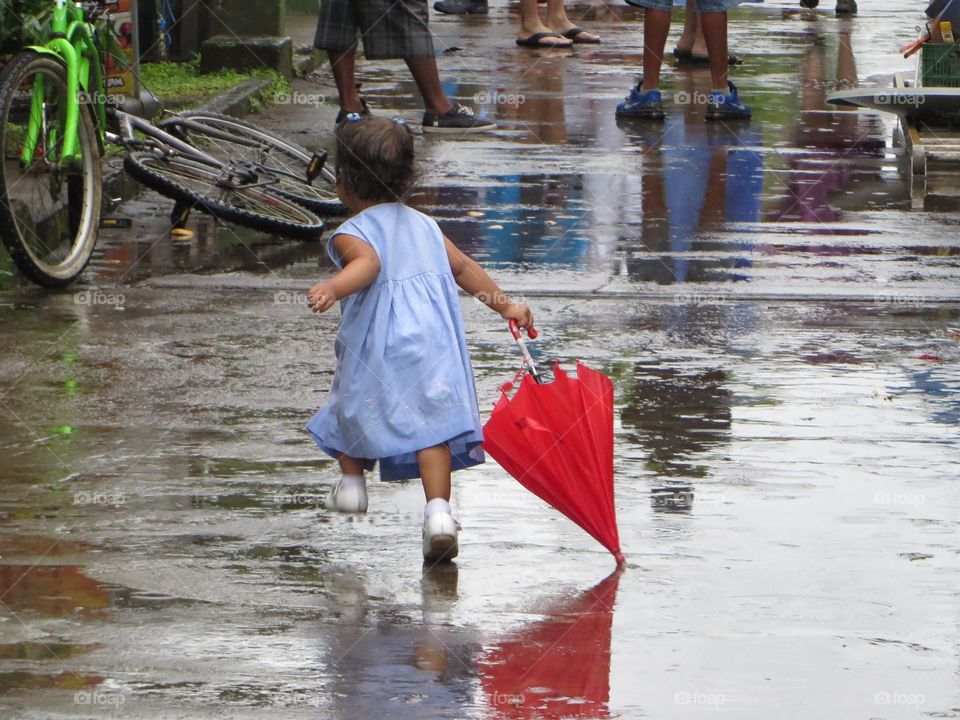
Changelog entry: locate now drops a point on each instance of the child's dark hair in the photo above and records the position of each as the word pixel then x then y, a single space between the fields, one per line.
pixel 375 158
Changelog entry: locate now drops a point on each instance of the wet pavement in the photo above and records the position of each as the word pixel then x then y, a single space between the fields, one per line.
pixel 781 322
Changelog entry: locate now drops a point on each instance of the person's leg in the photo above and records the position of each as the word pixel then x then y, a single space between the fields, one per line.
pixel 715 33
pixel 656 27
pixel 699 48
pixel 690 26
pixel 427 77
pixel 337 31
pixel 343 65
pixel 723 101
pixel 435 471
pixel 440 114
pixel 440 530
pixel 531 24
pixel 351 466
pixel 645 101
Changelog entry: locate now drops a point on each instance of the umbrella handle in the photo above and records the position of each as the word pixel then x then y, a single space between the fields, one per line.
pixel 515 330
pixel 527 360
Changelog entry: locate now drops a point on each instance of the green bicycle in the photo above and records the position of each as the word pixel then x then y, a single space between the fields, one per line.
pixel 54 116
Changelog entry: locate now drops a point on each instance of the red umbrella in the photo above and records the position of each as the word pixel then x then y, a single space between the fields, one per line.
pixel 557 440
pixel 558 667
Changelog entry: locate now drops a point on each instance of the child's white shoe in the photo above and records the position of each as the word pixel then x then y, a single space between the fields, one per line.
pixel 440 532
pixel 349 496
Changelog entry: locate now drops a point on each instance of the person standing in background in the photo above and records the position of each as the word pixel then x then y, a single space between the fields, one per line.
pixel 691 49
pixel 390 29
pixel 645 100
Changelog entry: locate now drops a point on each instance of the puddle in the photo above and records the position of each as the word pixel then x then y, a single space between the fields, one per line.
pixel 780 325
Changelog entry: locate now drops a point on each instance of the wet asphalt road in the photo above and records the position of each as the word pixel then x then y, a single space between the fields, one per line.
pixel 779 318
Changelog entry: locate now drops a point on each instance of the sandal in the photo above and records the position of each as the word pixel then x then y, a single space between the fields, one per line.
pixel 686 57
pixel 574 34
pixel 534 41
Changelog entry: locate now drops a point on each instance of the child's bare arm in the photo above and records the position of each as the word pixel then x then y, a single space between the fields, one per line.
pixel 361 266
pixel 474 280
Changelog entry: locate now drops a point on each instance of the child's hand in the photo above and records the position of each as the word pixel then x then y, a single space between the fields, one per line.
pixel 320 297
pixel 519 312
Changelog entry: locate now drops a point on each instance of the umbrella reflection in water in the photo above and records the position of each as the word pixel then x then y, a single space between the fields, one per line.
pixel 558 667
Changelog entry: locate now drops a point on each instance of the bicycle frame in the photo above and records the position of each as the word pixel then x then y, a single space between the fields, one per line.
pixel 73 43
pixel 129 123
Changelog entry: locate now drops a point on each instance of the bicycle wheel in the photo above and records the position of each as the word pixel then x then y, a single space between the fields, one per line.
pixel 250 143
pixel 49 213
pixel 213 191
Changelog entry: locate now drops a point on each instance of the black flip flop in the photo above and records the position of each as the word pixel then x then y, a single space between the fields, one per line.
pixel 575 32
pixel 686 57
pixel 534 40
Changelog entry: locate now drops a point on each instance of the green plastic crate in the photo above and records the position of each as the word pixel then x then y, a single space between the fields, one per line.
pixel 940 65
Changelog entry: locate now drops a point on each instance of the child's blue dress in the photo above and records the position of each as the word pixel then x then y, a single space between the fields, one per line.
pixel 403 381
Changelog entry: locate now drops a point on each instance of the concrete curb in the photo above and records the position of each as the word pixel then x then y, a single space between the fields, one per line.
pixel 236 100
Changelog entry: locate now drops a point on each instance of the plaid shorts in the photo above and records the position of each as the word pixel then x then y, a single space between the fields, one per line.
pixel 388 28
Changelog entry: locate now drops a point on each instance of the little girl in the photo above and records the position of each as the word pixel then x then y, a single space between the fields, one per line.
pixel 403 390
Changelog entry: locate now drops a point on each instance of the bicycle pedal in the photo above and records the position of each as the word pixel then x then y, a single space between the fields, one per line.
pixel 316 165
pixel 122 223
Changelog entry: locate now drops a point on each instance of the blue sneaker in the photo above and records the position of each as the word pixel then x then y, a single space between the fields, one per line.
pixel 645 104
pixel 726 106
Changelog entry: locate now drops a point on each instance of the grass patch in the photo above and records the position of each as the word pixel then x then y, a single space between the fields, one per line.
pixel 181 85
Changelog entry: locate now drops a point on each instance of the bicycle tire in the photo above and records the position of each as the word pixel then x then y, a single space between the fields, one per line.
pixel 51 240
pixel 319 196
pixel 200 186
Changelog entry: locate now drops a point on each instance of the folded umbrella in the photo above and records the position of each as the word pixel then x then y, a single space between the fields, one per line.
pixel 556 439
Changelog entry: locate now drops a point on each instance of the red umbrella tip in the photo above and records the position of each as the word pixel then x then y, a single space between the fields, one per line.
pixel 621 560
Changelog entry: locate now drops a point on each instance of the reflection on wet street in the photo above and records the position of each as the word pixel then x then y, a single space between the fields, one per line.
pixel 782 327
